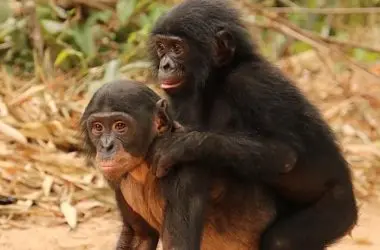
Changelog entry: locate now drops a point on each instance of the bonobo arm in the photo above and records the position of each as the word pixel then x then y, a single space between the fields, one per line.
pixel 187 193
pixel 136 234
pixel 243 155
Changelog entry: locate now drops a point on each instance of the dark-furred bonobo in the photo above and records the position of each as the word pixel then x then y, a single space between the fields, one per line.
pixel 124 126
pixel 241 107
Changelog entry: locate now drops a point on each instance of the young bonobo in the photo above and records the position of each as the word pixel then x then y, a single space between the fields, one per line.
pixel 125 125
pixel 243 109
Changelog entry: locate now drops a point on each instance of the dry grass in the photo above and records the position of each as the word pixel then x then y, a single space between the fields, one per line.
pixel 41 166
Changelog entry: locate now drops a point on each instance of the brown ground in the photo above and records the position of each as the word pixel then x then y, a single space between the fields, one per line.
pixel 100 233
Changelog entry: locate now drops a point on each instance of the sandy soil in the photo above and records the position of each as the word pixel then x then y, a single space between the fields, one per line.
pixel 101 233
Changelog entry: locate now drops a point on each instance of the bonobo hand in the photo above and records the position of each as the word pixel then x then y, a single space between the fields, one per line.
pixel 170 153
pixel 282 159
pixel 165 160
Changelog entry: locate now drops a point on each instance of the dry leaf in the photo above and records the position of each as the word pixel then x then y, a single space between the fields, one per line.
pixel 12 133
pixel 86 205
pixel 27 94
pixel 70 214
pixel 47 184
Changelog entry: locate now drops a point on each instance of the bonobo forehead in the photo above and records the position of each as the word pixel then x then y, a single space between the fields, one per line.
pixel 122 96
pixel 197 19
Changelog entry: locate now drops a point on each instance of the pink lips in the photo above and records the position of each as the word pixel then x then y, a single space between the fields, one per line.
pixel 169 84
pixel 108 164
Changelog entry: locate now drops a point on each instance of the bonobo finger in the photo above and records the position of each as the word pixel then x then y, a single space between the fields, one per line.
pixel 178 127
pixel 155 162
pixel 164 165
pixel 290 162
pixel 162 172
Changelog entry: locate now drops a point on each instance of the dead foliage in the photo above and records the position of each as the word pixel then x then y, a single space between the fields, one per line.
pixel 42 166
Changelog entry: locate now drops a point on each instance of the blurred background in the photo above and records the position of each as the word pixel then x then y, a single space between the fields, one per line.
pixel 55 53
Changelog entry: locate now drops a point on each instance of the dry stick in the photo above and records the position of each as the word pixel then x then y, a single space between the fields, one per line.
pixel 101 5
pixel 336 11
pixel 321 50
pixel 289 4
pixel 287 28
pixel 316 36
pixel 349 44
pixel 96 4
pixel 35 35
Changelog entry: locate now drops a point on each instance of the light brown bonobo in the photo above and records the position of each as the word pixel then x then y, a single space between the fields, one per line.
pixel 125 125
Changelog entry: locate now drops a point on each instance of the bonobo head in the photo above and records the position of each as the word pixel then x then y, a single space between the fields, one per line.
pixel 195 42
pixel 120 123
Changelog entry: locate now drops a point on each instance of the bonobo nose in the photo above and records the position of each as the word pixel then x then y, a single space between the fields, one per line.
pixel 166 67
pixel 167 64
pixel 109 147
pixel 108 144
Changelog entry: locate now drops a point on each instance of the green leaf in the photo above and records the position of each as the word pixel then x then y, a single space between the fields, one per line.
pixel 64 54
pixel 5 11
pixel 111 73
pixel 83 37
pixel 364 55
pixel 103 16
pixel 52 27
pixel 298 47
pixel 144 20
pixel 125 9
pixel 59 11
pixel 44 12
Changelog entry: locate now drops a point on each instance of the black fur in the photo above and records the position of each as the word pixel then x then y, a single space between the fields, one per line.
pixel 246 105
pixel 235 213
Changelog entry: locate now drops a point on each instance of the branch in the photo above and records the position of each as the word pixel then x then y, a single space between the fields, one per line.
pixel 349 44
pixel 316 41
pixel 34 25
pixel 329 40
pixel 325 11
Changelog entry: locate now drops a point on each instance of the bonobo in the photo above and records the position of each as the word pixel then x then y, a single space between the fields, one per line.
pixel 125 124
pixel 240 108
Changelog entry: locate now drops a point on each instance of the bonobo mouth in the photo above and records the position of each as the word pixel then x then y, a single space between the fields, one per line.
pixel 116 168
pixel 170 83
pixel 108 163
pixel 109 166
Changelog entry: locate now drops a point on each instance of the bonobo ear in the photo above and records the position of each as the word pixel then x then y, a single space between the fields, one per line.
pixel 225 47
pixel 163 122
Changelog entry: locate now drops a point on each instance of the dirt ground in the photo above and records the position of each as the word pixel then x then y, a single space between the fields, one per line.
pixel 101 233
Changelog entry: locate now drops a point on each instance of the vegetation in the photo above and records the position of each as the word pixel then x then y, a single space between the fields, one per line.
pixel 63 34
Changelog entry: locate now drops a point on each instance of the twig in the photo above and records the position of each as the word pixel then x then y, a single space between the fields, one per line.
pixel 35 35
pixel 101 5
pixel 349 44
pixel 329 40
pixel 289 3
pixel 316 41
pixel 337 11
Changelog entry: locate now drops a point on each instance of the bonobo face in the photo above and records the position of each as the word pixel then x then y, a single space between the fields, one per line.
pixel 114 136
pixel 119 125
pixel 171 52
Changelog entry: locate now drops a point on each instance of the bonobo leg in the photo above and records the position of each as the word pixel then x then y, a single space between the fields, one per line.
pixel 186 191
pixel 317 226
pixel 136 234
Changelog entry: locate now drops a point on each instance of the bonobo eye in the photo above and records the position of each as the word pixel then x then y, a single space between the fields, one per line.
pixel 177 48
pixel 160 48
pixel 120 127
pixel 97 128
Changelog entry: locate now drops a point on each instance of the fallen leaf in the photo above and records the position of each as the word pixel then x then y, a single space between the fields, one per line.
pixel 12 133
pixel 70 214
